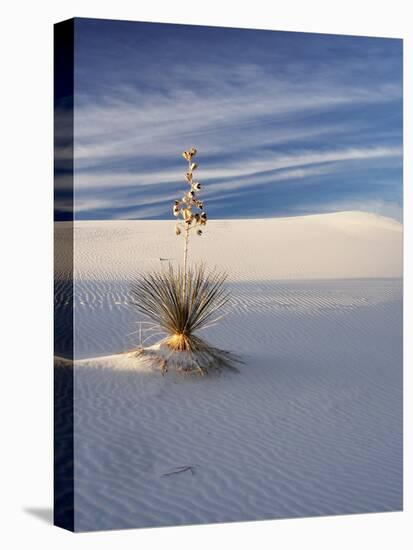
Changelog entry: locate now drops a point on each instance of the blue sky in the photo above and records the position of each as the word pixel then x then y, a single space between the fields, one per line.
pixel 285 123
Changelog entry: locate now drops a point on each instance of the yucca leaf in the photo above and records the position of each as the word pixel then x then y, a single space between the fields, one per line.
pixel 180 305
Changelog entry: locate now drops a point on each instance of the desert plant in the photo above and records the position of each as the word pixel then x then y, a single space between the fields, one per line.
pixel 160 296
pixel 179 313
pixel 181 301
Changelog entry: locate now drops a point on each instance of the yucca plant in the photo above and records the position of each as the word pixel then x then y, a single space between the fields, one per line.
pixel 181 301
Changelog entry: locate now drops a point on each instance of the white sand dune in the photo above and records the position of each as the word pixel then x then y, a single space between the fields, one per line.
pixel 312 422
pixel 340 245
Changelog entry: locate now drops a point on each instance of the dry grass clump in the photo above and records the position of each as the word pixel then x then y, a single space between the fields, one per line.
pixel 179 304
pixel 161 297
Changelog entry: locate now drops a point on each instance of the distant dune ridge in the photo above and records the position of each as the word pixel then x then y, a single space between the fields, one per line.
pixel 331 246
pixel 312 423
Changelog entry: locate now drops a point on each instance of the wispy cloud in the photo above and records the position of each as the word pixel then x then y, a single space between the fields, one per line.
pixel 253 167
pixel 257 115
pixel 290 109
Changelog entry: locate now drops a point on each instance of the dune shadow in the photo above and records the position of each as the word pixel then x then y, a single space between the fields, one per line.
pixel 45 514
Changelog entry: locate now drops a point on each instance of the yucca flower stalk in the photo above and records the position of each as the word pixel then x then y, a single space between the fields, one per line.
pixel 190 209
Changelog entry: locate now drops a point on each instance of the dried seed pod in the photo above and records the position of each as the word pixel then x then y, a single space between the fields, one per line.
pixel 192 150
pixel 199 232
pixel 188 177
pixel 194 166
pixel 177 230
pixel 186 214
pixel 187 155
pixel 196 186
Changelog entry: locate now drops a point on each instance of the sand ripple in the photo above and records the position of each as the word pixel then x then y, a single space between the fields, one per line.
pixel 317 432
pixel 312 423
